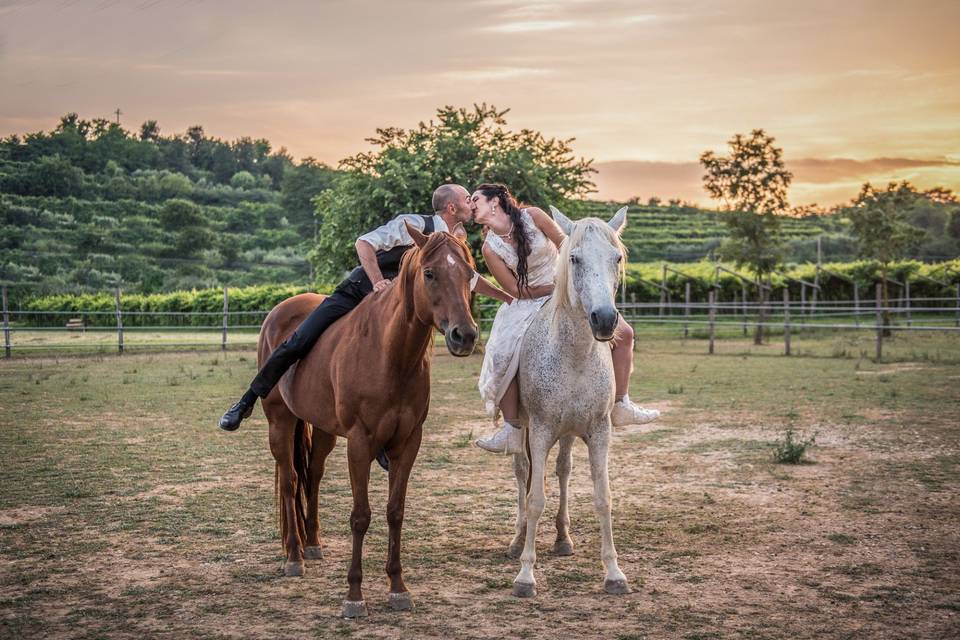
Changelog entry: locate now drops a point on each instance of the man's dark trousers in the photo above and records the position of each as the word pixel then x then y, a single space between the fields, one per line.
pixel 344 298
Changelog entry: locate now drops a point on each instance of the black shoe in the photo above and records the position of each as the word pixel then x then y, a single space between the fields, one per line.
pixel 382 460
pixel 235 415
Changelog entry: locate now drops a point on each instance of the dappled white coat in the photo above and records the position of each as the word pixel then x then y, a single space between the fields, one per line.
pixel 567 389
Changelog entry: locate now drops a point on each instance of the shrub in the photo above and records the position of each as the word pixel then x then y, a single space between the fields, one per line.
pixel 792 448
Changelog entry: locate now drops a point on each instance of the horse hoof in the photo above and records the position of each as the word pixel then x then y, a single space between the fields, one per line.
pixel 293 569
pixel 354 609
pixel 514 551
pixel 616 587
pixel 313 553
pixel 563 548
pixel 524 589
pixel 400 601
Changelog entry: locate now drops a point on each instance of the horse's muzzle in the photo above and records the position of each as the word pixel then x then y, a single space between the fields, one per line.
pixel 461 339
pixel 603 323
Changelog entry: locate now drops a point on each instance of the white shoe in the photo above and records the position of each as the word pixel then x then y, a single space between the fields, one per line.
pixel 508 440
pixel 625 412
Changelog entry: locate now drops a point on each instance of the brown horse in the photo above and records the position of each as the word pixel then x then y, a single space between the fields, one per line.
pixel 368 380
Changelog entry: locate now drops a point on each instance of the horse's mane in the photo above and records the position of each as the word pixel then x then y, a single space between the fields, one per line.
pixel 413 259
pixel 563 294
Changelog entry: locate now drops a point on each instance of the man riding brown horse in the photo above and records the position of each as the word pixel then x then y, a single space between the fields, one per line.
pixel 380 252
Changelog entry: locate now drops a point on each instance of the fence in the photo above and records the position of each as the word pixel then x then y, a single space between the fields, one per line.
pixel 709 320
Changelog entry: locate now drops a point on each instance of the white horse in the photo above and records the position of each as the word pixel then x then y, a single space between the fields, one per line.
pixel 567 389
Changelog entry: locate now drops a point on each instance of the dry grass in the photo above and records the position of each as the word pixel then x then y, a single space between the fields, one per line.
pixel 125 513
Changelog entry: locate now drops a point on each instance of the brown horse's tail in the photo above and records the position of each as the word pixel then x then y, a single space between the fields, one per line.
pixel 302 444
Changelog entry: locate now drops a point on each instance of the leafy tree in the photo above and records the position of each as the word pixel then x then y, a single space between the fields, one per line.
pixel 243 180
pixel 150 130
pixel 464 146
pixel 953 226
pixel 49 176
pixel 879 221
pixel 752 183
pixel 178 214
pixel 300 185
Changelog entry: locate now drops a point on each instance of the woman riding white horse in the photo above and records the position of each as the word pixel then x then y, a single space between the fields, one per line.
pixel 521 252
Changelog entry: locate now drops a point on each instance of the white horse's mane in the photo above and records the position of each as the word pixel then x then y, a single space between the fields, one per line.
pixel 563 293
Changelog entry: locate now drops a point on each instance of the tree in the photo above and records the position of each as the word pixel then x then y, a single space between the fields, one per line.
pixel 752 182
pixel 243 180
pixel 299 186
pixel 879 221
pixel 150 130
pixel 178 214
pixel 464 146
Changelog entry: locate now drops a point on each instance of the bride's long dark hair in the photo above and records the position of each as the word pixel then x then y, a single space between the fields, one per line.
pixel 520 232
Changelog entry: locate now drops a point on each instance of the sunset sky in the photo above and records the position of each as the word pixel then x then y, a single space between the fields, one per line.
pixel 853 91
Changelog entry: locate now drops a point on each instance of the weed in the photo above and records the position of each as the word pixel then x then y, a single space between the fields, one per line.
pixel 463 440
pixel 792 448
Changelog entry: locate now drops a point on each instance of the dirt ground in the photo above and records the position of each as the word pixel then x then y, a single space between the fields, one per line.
pixel 124 512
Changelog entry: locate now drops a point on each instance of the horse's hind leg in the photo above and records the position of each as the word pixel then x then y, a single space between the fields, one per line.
pixel 521 468
pixel 283 429
pixel 564 545
pixel 323 444
pixel 597 447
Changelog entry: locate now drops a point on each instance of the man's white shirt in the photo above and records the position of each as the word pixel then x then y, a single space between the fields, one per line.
pixel 395 234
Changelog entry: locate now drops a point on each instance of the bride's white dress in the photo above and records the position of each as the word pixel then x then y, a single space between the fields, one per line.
pixel 502 350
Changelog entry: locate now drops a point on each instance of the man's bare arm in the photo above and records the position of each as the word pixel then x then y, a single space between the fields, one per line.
pixel 368 260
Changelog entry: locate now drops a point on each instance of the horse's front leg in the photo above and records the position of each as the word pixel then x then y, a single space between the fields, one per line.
pixel 521 468
pixel 525 585
pixel 401 462
pixel 358 459
pixel 564 545
pixel 598 444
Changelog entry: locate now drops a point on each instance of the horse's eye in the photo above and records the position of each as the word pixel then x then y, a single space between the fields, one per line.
pixel 428 274
pixel 619 259
pixel 574 260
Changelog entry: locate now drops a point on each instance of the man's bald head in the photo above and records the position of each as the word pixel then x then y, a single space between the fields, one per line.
pixel 447 194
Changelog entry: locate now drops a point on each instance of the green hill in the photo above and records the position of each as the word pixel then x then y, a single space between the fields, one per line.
pixel 687 234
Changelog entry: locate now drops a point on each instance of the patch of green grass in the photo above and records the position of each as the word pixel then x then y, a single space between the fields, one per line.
pixel 842 538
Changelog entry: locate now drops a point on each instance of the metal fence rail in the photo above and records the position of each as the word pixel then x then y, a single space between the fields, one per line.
pixel 239 328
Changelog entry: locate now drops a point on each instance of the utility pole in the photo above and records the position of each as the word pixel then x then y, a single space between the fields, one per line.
pixel 118 112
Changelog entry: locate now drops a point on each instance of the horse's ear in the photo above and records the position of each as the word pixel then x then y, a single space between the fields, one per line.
pixel 419 238
pixel 618 221
pixel 563 221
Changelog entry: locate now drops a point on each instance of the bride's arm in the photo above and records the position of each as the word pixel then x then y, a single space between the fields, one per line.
pixel 546 224
pixel 485 288
pixel 508 281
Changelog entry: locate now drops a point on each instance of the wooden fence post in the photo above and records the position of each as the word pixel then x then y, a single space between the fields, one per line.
pixel 957 321
pixel 743 301
pixel 879 321
pixel 713 315
pixel 686 309
pixel 223 343
pixel 786 321
pixel 663 289
pixel 119 324
pixel 6 325
pixel 906 286
pixel 856 303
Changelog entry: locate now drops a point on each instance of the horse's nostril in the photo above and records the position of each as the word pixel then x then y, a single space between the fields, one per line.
pixel 455 335
pixel 594 319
